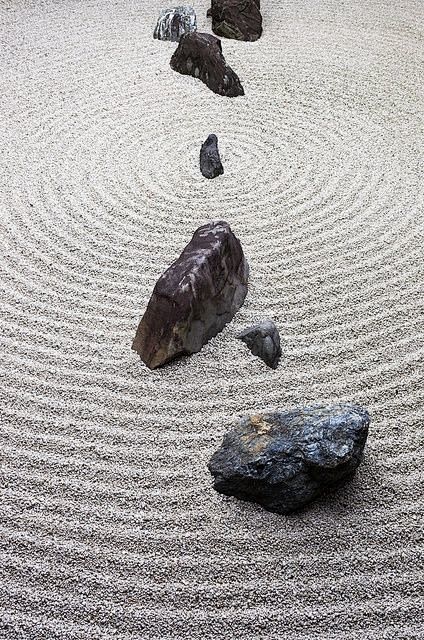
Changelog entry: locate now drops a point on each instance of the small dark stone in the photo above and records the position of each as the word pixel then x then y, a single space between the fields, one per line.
pixel 238 19
pixel 284 460
pixel 200 55
pixel 210 162
pixel 173 23
pixel 263 340
pixel 195 297
pixel 209 13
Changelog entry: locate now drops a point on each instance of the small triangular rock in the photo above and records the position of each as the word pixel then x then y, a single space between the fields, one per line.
pixel 263 341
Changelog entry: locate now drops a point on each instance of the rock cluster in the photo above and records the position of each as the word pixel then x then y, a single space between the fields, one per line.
pixel 195 297
pixel 200 55
pixel 284 460
pixel 280 460
pixel 263 340
pixel 173 23
pixel 210 161
pixel 238 19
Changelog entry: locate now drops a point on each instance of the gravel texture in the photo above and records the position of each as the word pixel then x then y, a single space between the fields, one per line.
pixel 110 528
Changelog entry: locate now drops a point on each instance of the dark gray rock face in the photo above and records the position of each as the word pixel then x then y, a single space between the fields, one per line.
pixel 173 23
pixel 238 19
pixel 210 162
pixel 200 55
pixel 284 460
pixel 263 340
pixel 195 297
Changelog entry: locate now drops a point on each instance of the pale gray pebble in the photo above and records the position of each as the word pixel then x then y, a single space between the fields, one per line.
pixel 173 23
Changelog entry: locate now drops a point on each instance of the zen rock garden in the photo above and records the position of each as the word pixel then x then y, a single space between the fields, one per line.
pixel 281 460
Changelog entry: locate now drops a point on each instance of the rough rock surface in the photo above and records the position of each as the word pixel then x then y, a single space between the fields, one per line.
pixel 238 19
pixel 284 460
pixel 210 161
pixel 200 55
pixel 173 23
pixel 263 340
pixel 195 297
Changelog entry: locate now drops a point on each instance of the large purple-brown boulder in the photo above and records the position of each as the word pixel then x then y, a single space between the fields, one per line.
pixel 200 55
pixel 195 297
pixel 238 19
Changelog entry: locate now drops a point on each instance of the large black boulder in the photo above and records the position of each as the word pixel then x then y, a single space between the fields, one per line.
pixel 200 55
pixel 238 19
pixel 284 460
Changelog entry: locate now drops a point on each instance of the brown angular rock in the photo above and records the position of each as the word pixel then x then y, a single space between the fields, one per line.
pixel 238 19
pixel 200 55
pixel 195 297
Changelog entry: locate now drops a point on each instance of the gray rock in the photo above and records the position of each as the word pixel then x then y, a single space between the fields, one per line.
pixel 200 55
pixel 263 341
pixel 195 297
pixel 284 460
pixel 173 23
pixel 210 162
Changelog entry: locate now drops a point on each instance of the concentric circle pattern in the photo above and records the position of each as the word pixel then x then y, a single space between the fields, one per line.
pixel 109 525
